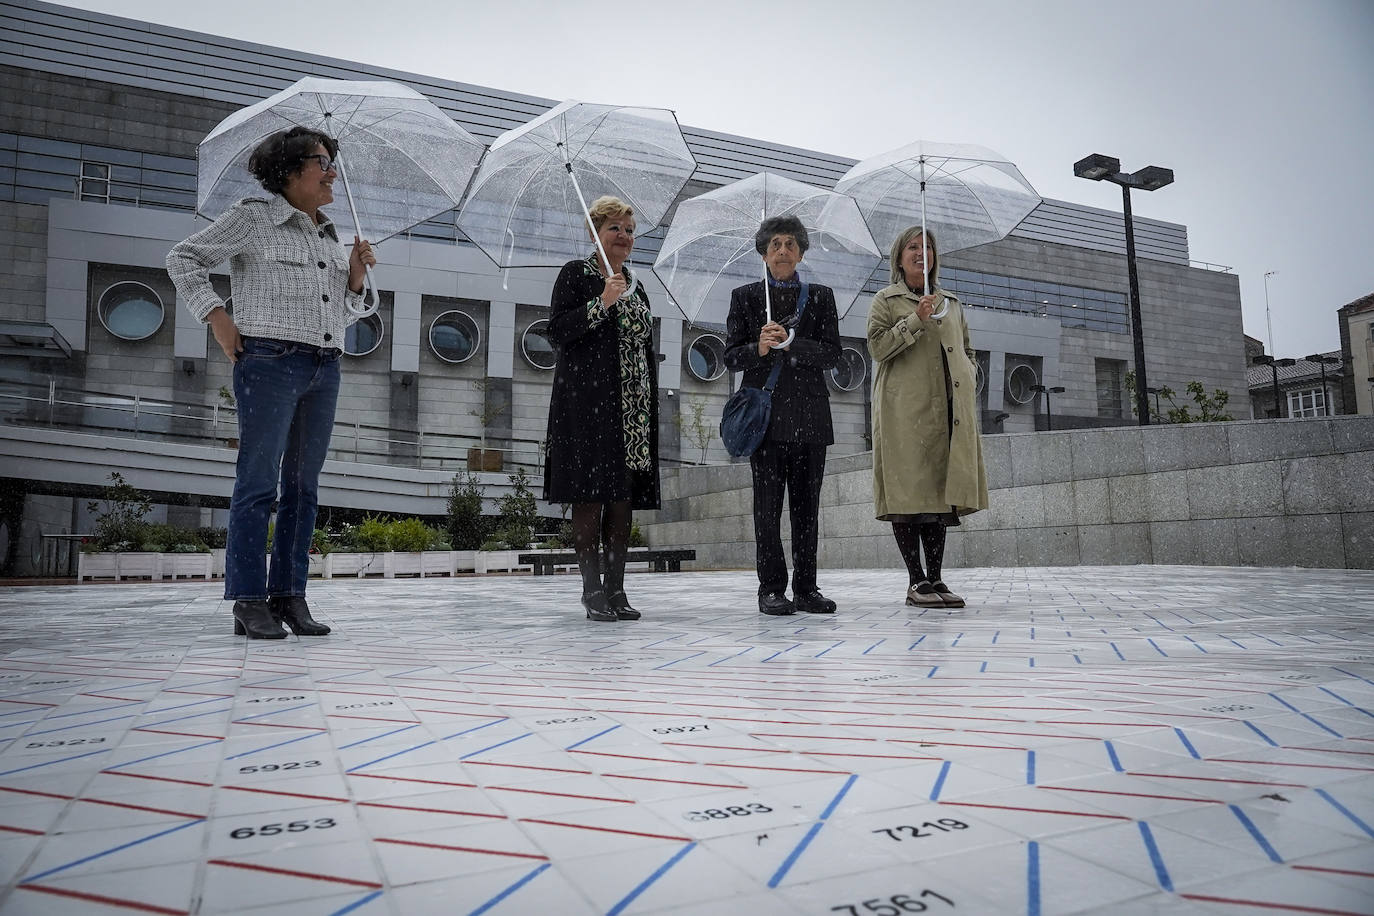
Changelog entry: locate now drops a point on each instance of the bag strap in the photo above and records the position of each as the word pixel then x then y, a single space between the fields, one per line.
pixel 777 357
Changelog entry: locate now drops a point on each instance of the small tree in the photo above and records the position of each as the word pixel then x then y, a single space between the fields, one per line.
pixel 519 512
pixel 1210 409
pixel 695 428
pixel 490 409
pixel 226 396
pixel 119 523
pixel 467 528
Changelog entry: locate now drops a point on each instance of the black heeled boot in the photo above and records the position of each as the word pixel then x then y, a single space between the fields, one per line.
pixel 618 603
pixel 593 595
pixel 254 619
pixel 295 613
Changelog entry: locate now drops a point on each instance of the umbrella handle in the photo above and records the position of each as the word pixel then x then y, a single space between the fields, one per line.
pixel 791 333
pixel 369 289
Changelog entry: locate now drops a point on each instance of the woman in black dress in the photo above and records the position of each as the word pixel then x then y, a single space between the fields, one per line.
pixel 603 413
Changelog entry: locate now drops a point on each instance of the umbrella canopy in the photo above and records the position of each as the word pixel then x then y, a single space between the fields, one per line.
pixel 710 245
pixel 970 194
pixel 402 160
pixel 527 206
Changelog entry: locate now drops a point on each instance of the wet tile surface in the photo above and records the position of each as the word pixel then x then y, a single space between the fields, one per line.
pixel 1092 740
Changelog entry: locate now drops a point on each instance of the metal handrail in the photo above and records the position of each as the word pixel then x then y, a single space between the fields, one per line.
pixel 1208 265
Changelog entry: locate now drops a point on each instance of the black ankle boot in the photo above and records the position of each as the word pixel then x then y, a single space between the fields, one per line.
pixel 295 613
pixel 254 619
pixel 618 603
pixel 595 603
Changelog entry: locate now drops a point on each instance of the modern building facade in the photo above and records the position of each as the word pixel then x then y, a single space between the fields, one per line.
pixel 98 135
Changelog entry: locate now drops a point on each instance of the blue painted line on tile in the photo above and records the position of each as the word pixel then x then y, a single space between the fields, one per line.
pixel 1353 674
pixel 1032 632
pixel 1157 648
pixel 917 642
pixel 474 667
pixel 67 728
pixel 981 668
pixel 25 722
pixel 1188 745
pixel 1032 662
pixel 875 645
pixel 1117 651
pixel 476 728
pixel 1266 639
pixel 1111 755
pixel 535 873
pixel 1331 801
pixel 606 731
pixel 939 782
pixel 797 850
pixel 1254 728
pixel 1077 659
pixel 1161 873
pixel 647 882
pixel 218 680
pixel 1032 878
pixel 1254 831
pixel 1030 768
pixel 87 712
pixel 996 634
pixel 703 639
pixel 194 715
pixel 389 756
pixel 34 766
pixel 495 746
pixel 1234 643
pixel 683 659
pixel 273 712
pixel 659 642
pixel 1306 716
pixel 394 731
pixel 720 661
pixel 823 651
pixel 357 903
pixel 284 677
pixel 1347 702
pixel 411 671
pixel 278 744
pixel 339 677
pixel 1197 645
pixel 956 640
pixel 1185 619
pixel 180 750
pixel 114 849
pixel 782 652
pixel 154 712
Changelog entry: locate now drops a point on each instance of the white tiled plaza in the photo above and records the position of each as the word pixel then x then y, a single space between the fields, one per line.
pixel 1124 740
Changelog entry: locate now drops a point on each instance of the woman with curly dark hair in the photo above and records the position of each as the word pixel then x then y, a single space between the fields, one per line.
pixel 292 280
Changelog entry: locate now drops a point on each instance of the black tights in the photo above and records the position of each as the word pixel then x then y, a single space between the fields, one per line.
pixel 595 524
pixel 911 537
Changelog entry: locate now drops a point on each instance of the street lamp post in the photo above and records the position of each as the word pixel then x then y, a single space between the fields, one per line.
pixel 1098 167
pixel 1049 415
pixel 1155 392
pixel 1266 360
pixel 1322 360
pixel 1268 322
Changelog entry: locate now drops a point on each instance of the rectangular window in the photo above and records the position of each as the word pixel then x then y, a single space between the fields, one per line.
pixel 1111 388
pixel 1309 402
pixel 95 182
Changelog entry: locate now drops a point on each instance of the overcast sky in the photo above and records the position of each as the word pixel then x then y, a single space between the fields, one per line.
pixel 1264 109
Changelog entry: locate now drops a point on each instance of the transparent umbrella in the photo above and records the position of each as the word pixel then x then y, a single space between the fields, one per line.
pixel 401 159
pixel 967 195
pixel 528 204
pixel 710 250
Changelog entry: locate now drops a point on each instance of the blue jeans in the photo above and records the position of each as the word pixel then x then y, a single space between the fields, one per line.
pixel 286 395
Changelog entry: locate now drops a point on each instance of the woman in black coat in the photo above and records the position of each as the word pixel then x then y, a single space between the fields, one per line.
pixel 603 413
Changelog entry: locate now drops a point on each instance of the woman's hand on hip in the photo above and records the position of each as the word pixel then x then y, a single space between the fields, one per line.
pixel 226 333
pixel 926 307
pixel 615 288
pixel 359 259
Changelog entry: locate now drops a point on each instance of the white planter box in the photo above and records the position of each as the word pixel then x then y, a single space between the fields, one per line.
pixel 316 565
pixel 437 563
pixel 499 561
pixel 354 564
pixel 97 566
pixel 403 563
pixel 139 565
pixel 190 565
pixel 217 562
pixel 464 560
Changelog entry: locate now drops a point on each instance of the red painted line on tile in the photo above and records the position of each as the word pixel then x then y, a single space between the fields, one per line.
pixel 106 696
pixel 1332 750
pixel 36 792
pixel 428 782
pixel 115 804
pixel 456 712
pixel 680 782
pixel 1334 871
pixel 100 898
pixel 486 852
pixel 1077 722
pixel 1262 904
pixel 1244 782
pixel 184 782
pixel 293 874
pixel 526 766
pixel 160 731
pixel 310 728
pixel 625 801
pixel 757 750
pixel 339 715
pixel 197 693
pixel 361 693
pixel 9 829
pixel 1280 763
pixel 745 766
pixel 422 810
pixel 1183 798
pixel 29 702
pixel 1112 817
pixel 328 798
pixel 920 743
pixel 809 737
pixel 634 757
pixel 1173 715
pixel 693 715
pixel 651 836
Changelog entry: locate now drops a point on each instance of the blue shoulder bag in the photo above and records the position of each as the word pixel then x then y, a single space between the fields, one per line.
pixel 744 422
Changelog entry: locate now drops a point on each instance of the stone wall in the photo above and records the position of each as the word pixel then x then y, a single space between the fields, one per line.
pixel 1245 493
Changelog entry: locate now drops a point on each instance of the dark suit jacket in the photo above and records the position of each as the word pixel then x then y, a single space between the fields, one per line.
pixel 801 400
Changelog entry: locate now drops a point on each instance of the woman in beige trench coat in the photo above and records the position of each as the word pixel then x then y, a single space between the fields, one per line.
pixel 927 454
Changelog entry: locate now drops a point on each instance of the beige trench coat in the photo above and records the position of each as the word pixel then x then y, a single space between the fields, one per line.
pixel 917 465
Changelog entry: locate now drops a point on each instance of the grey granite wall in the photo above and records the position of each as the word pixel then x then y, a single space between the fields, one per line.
pixel 1247 493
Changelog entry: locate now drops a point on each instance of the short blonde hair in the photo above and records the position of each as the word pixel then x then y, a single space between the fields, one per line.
pixel 901 242
pixel 607 208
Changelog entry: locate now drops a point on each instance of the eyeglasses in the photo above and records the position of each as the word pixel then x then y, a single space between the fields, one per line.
pixel 325 162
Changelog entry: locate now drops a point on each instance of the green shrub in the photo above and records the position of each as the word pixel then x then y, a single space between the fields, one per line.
pixel 372 536
pixel 637 537
pixel 519 512
pixel 467 526
pixel 411 534
pixel 120 514
pixel 213 538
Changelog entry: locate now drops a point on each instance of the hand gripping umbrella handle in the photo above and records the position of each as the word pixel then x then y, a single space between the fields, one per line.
pixel 369 285
pixel 925 250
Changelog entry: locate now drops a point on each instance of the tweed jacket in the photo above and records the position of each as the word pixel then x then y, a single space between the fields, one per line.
pixel 289 276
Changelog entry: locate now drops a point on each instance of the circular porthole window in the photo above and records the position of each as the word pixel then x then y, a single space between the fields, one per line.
pixel 980 378
pixel 706 357
pixel 363 336
pixel 537 347
pixel 131 311
pixel 851 370
pixel 454 337
pixel 1019 384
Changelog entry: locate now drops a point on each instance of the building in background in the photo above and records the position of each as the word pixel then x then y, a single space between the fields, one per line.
pixel 98 134
pixel 1303 390
pixel 1357 354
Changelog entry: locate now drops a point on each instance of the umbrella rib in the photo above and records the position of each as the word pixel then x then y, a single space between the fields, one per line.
pixel 423 168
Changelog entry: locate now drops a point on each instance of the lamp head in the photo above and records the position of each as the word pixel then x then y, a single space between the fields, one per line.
pixel 1286 361
pixel 1058 389
pixel 1096 167
pixel 1264 359
pixel 1152 178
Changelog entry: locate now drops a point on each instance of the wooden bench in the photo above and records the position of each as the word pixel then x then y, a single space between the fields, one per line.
pixel 659 560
